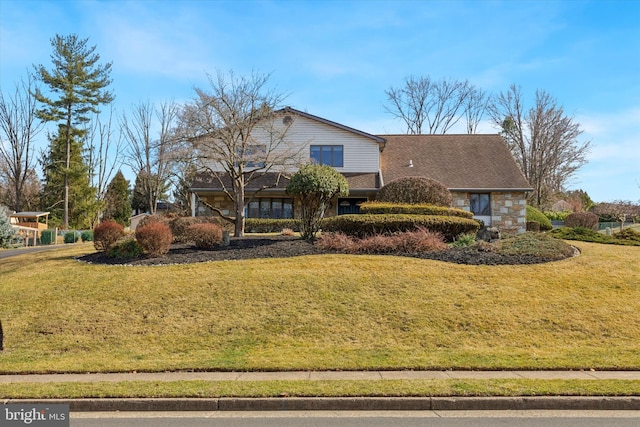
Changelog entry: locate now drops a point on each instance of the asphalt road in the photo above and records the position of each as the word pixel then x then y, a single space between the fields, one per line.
pixel 361 419
pixel 6 253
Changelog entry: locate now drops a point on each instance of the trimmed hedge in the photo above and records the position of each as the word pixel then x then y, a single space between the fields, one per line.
pixel 377 208
pixel 534 214
pixel 48 237
pixel 415 190
pixel 364 225
pixel 87 236
pixel 71 237
pixel 269 225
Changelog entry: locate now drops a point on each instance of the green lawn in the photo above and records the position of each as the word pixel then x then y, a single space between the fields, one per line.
pixel 320 312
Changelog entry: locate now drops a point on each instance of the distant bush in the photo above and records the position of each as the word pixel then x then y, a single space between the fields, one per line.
pixel 179 226
pixel 48 237
pixel 534 214
pixel 268 225
pixel 628 234
pixel 408 242
pixel 71 237
pixel 365 225
pixel 557 215
pixel 589 235
pixel 415 190
pixel 126 248
pixel 582 219
pixel 106 234
pixel 149 219
pixel 87 236
pixel 205 235
pixel 417 209
pixel 155 238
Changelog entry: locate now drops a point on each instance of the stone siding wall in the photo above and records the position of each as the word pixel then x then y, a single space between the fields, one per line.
pixel 508 210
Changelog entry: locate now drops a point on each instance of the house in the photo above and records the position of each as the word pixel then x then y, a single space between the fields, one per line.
pixel 479 171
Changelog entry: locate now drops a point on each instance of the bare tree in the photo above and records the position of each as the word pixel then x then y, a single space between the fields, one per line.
pixel 104 155
pixel 476 104
pixel 543 140
pixel 423 101
pixel 151 158
pixel 19 125
pixel 237 139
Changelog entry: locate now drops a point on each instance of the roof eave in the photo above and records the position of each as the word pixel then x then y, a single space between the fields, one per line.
pixel 494 190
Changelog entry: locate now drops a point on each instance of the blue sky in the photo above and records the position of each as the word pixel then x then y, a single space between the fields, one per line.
pixel 335 59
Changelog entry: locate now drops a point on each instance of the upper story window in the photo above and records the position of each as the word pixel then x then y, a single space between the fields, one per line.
pixel 330 155
pixel 480 204
pixel 254 155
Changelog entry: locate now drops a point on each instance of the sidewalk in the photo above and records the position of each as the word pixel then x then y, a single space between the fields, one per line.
pixel 324 375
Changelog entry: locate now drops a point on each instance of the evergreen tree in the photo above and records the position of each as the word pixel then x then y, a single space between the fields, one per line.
pixel 79 82
pixel 81 208
pixel 7 233
pixel 117 206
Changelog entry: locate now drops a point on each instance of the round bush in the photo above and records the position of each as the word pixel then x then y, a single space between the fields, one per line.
pixel 205 236
pixel 149 219
pixel 155 238
pixel 180 225
pixel 106 234
pixel 533 226
pixel 415 190
pixel 534 214
pixel 127 249
pixel 582 220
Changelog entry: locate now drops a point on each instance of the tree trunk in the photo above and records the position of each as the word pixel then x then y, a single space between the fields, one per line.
pixel 238 195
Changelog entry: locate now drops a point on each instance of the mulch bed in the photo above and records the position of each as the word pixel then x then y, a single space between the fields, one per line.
pixel 251 247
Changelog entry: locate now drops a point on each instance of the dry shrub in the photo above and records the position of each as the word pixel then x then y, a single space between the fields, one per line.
pixel 582 220
pixel 155 238
pixel 287 232
pixel 415 190
pixel 205 235
pixel 150 219
pixel 421 240
pixel 106 234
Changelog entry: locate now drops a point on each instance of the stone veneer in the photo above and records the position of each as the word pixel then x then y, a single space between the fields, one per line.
pixel 508 210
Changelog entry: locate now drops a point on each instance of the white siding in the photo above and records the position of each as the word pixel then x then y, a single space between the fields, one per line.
pixel 360 154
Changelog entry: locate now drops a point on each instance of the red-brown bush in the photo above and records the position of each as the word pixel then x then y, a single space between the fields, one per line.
pixel 106 234
pixel 415 190
pixel 582 220
pixel 155 238
pixel 418 241
pixel 206 235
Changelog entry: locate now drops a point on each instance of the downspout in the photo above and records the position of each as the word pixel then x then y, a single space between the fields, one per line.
pixel 193 204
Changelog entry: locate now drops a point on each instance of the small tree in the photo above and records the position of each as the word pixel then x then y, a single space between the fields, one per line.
pixel 118 207
pixel 7 233
pixel 314 186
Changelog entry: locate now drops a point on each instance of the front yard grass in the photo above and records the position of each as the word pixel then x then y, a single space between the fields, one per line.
pixel 377 388
pixel 336 312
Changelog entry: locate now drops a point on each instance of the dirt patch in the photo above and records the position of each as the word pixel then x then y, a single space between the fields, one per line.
pixel 252 247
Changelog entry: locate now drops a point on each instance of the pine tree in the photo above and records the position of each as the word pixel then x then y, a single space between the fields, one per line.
pixel 7 233
pixel 81 207
pixel 118 207
pixel 80 83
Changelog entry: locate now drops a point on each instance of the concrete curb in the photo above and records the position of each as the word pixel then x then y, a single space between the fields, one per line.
pixel 346 404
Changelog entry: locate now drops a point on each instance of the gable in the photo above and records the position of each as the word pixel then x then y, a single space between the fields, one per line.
pixel 460 162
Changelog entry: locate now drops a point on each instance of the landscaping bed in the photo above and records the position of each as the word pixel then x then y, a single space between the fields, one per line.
pixel 255 247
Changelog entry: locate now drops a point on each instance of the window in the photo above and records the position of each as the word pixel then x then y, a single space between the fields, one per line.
pixel 253 154
pixel 270 208
pixel 330 155
pixel 480 204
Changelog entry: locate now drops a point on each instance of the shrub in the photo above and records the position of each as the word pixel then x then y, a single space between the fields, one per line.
pixel 87 236
pixel 314 186
pixel 418 209
pixel 180 225
pixel 534 214
pixel 464 240
pixel 48 237
pixel 106 234
pixel 582 219
pixel 150 219
pixel 268 225
pixel 155 238
pixel 533 226
pixel 589 235
pixel 557 215
pixel 127 248
pixel 205 235
pixel 628 234
pixel 408 242
pixel 364 225
pixel 71 237
pixel 415 190
pixel 287 232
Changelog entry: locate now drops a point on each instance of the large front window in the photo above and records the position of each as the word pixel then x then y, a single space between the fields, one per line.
pixel 270 208
pixel 330 155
